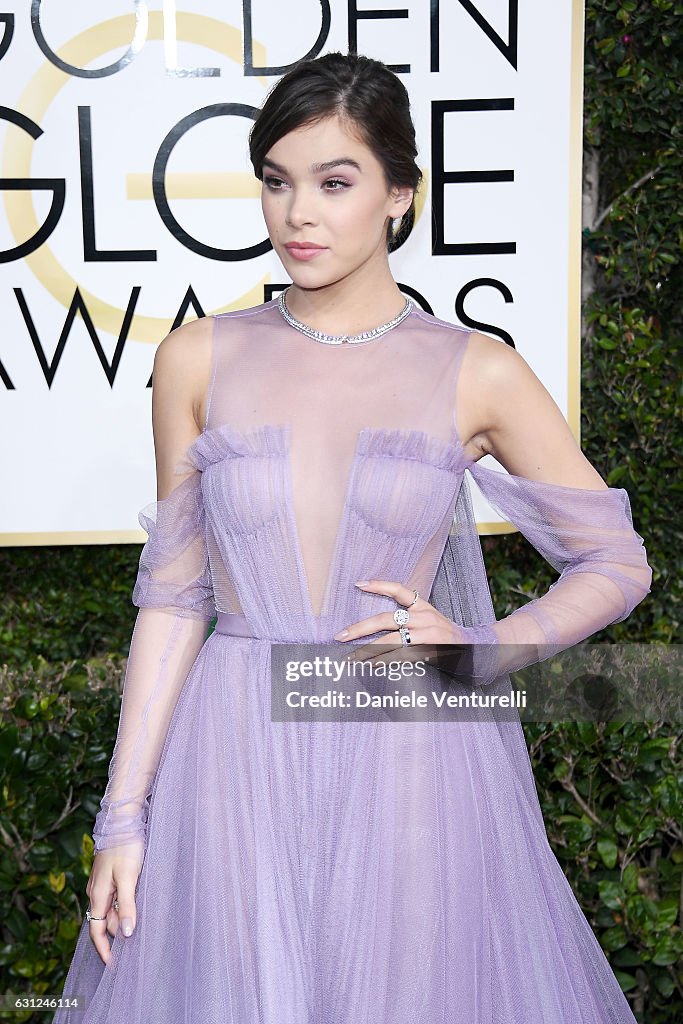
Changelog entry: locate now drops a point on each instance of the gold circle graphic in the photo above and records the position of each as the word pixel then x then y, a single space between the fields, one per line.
pixel 17 156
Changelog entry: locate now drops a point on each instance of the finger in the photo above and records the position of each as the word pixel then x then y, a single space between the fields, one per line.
pixel 385 658
pixel 417 650
pixel 381 621
pixel 112 922
pixel 127 912
pixel 392 647
pixel 391 588
pixel 390 644
pixel 97 931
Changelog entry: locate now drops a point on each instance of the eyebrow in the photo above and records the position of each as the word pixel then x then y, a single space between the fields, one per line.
pixel 317 168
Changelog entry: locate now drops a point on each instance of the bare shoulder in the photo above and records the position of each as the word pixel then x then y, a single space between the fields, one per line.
pixel 511 415
pixel 490 359
pixel 490 369
pixel 187 349
pixel 182 365
pixel 503 381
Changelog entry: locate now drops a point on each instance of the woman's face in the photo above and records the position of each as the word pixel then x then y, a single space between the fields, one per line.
pixel 323 186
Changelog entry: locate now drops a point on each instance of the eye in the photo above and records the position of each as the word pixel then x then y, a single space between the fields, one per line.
pixel 338 183
pixel 272 182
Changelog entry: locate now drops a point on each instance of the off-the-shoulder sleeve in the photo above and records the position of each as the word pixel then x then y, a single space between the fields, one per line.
pixel 174 595
pixel 585 535
pixel 173 571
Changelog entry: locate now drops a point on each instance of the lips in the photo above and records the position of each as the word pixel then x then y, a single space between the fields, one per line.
pixel 304 250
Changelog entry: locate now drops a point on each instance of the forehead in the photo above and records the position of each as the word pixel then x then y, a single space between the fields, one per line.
pixel 321 141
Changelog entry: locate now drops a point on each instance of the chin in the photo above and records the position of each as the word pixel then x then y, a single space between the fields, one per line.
pixel 310 279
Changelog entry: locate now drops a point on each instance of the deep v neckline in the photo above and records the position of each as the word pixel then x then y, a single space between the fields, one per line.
pixel 216 444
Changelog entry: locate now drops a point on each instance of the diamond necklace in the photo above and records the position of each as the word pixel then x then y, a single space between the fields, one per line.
pixel 341 339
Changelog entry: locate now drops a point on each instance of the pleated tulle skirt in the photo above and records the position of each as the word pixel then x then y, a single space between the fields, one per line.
pixel 342 873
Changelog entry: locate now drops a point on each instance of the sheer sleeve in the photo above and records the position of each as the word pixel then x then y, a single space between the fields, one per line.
pixel 174 596
pixel 588 537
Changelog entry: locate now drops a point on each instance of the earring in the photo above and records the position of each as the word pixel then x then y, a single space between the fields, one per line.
pixel 396 224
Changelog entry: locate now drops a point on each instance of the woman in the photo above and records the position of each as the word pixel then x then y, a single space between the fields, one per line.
pixel 293 871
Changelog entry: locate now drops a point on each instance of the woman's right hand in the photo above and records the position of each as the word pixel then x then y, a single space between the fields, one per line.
pixel 114 873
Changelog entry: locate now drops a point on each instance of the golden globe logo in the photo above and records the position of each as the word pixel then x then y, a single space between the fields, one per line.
pixel 32 232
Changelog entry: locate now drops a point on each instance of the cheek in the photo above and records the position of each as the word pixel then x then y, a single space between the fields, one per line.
pixel 364 214
pixel 269 207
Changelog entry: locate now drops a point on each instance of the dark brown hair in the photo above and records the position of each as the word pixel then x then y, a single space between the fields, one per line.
pixel 363 92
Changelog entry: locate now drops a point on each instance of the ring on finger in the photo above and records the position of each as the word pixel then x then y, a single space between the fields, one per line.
pixel 401 616
pixel 91 917
pixel 405 636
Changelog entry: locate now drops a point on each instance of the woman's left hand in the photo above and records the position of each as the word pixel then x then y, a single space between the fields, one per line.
pixel 426 626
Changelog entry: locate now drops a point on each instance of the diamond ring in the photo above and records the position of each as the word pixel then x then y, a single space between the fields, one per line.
pixel 401 616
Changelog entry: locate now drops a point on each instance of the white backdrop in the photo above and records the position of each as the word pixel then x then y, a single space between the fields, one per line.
pixel 129 204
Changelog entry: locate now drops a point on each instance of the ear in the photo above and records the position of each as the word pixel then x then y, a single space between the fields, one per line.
pixel 401 198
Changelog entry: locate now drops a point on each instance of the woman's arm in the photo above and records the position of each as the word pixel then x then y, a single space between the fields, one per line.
pixel 558 501
pixel 507 412
pixel 172 591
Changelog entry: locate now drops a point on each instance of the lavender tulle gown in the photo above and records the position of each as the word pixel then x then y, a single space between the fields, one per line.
pixel 374 872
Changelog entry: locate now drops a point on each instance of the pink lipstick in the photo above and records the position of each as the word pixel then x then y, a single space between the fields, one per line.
pixel 304 250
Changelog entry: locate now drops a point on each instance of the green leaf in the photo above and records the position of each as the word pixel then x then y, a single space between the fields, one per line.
pixel 666 952
pixel 667 911
pixel 664 985
pixel 630 878
pixel 616 474
pixel 627 957
pixel 625 821
pixel 611 893
pixel 627 981
pixel 613 938
pixel 608 851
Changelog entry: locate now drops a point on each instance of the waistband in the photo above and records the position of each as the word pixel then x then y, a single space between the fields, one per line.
pixel 233 624
pixel 236 624
pixel 318 631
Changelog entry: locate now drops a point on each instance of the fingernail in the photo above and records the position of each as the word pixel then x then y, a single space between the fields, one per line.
pixel 127 926
pixel 362 583
pixel 341 635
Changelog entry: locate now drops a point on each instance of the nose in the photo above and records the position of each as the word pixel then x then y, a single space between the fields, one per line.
pixel 300 208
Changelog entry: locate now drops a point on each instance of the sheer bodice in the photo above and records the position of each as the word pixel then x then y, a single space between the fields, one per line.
pixel 324 464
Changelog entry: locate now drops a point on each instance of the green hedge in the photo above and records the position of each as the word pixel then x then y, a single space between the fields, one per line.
pixel 57 726
pixel 611 796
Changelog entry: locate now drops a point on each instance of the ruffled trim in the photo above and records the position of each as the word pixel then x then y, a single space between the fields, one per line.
pixel 270 439
pixel 224 442
pixel 173 571
pixel 412 444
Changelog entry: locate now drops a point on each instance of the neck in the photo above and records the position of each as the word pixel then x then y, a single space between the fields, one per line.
pixel 349 306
